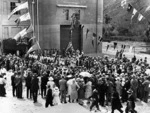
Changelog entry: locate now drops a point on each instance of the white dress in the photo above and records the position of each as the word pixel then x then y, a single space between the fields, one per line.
pixel 56 99
pixel 69 83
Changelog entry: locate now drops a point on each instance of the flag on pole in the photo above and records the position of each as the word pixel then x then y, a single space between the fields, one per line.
pixel 129 8
pixel 20 34
pixel 36 46
pixel 32 38
pixel 30 29
pixel 133 14
pixel 140 17
pixel 123 3
pixel 18 8
pixel 22 18
pixel 147 9
pixel 100 40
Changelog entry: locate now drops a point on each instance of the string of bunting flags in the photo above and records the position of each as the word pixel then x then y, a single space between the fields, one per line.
pixel 126 4
pixel 29 29
pixel 94 37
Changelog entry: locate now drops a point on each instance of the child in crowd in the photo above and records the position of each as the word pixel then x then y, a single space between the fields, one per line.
pixel 56 98
pixel 49 97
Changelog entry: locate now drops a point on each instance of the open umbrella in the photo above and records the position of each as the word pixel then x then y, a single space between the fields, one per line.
pixel 147 71
pixel 85 74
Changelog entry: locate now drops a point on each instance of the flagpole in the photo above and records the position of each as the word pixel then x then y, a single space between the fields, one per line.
pixel 96 25
pixel 33 2
pixel 38 19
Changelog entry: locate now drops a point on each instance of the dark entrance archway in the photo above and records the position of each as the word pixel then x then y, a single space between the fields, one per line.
pixel 65 37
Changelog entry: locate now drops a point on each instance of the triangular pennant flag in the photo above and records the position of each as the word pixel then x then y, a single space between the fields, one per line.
pixel 32 38
pixel 18 8
pixel 100 40
pixel 133 14
pixel 147 9
pixel 123 3
pixel 22 18
pixel 140 17
pixel 87 31
pixel 20 34
pixel 129 8
pixel 36 46
pixel 30 29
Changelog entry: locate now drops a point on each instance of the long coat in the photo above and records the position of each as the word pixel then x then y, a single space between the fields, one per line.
pixel 35 84
pixel 74 94
pixel 81 91
pixel 116 104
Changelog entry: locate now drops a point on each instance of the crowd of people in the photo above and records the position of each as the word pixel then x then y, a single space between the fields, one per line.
pixel 57 79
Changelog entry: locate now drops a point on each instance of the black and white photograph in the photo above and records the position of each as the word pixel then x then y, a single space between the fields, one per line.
pixel 74 56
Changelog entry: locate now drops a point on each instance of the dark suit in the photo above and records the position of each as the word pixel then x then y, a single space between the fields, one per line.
pixel 28 85
pixel 44 81
pixel 130 104
pixel 13 85
pixel 116 104
pixel 35 87
pixel 19 86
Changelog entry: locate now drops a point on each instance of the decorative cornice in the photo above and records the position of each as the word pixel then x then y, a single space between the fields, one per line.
pixel 71 6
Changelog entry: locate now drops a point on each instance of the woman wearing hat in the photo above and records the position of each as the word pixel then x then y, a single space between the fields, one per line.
pixel 51 83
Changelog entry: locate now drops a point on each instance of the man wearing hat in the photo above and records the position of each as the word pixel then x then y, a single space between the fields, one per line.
pixel 130 103
pixel 44 80
pixel 35 87
pixel 146 85
pixel 13 78
pixel 28 84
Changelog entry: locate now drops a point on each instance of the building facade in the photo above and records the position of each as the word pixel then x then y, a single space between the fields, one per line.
pixel 53 21
pixel 8 28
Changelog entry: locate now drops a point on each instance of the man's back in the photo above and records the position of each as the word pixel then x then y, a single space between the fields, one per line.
pixel 62 84
pixel 35 84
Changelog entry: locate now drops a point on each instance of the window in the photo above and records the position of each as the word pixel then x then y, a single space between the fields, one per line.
pixel 13 5
pixel 66 11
